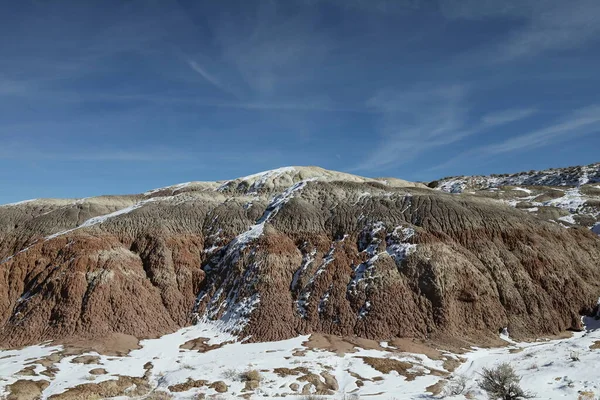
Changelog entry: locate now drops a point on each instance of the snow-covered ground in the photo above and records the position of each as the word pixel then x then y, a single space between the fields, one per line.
pixel 555 369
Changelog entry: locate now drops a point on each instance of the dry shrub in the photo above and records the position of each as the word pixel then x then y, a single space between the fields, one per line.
pixel 502 383
pixel 455 386
pixel 251 375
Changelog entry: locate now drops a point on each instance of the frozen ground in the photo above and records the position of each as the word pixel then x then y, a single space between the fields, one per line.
pixel 557 369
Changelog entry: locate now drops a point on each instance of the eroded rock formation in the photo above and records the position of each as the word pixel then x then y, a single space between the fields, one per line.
pixel 290 252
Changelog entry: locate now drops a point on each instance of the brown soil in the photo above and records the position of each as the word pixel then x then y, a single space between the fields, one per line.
pixel 190 384
pixel 122 386
pixel 436 388
pixel 219 386
pixel 283 372
pixel 387 365
pixel 114 344
pixel 200 345
pixel 98 371
pixel 26 390
pixel 28 371
pixel 86 360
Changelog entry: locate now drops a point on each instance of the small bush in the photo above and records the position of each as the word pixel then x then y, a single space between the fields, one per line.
pixel 231 374
pixel 251 375
pixel 456 386
pixel 502 383
pixel 587 395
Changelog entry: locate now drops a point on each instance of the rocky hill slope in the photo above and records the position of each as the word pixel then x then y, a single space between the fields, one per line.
pixel 567 196
pixel 287 252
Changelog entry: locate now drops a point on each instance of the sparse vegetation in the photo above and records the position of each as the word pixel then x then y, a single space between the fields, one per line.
pixel 455 386
pixel 502 383
pixel 587 395
pixel 574 356
pixel 231 374
pixel 251 375
pixel 353 396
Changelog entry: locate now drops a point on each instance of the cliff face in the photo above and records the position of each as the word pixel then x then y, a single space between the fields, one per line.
pixel 290 252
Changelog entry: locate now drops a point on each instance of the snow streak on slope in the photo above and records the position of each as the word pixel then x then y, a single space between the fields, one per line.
pixel 102 218
pixel 397 247
pixel 258 181
pixel 232 300
pixel 18 203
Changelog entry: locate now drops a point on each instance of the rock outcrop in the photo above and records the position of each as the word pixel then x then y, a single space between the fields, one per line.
pixel 289 252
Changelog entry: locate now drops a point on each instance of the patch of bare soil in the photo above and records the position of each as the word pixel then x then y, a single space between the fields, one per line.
pixel 28 371
pixel 325 386
pixel 26 390
pixel 340 345
pixel 98 371
pixel 219 386
pixel 115 344
pixel 201 345
pixel 283 372
pixel 387 365
pixel 123 386
pixel 450 364
pixel 436 388
pixel 190 384
pixel 596 345
pixel 86 360
pixel 416 346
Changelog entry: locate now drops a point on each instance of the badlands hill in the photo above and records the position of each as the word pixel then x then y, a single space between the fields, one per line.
pixel 300 250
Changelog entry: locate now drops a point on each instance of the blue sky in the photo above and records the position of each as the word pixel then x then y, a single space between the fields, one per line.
pixel 114 97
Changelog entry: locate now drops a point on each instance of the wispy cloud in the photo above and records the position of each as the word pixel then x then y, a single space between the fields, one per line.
pixel 21 152
pixel 274 52
pixel 414 122
pixel 563 26
pixel 545 25
pixel 582 122
pixel 208 77
pixel 506 116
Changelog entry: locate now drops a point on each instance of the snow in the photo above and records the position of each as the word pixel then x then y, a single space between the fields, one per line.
pixel 233 310
pixel 256 230
pixel 547 367
pixel 173 188
pixel 18 203
pixel 86 224
pixel 571 201
pixel 102 218
pixel 396 246
pixel 568 218
pixel 259 180
pixel 522 190
pixel 550 177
